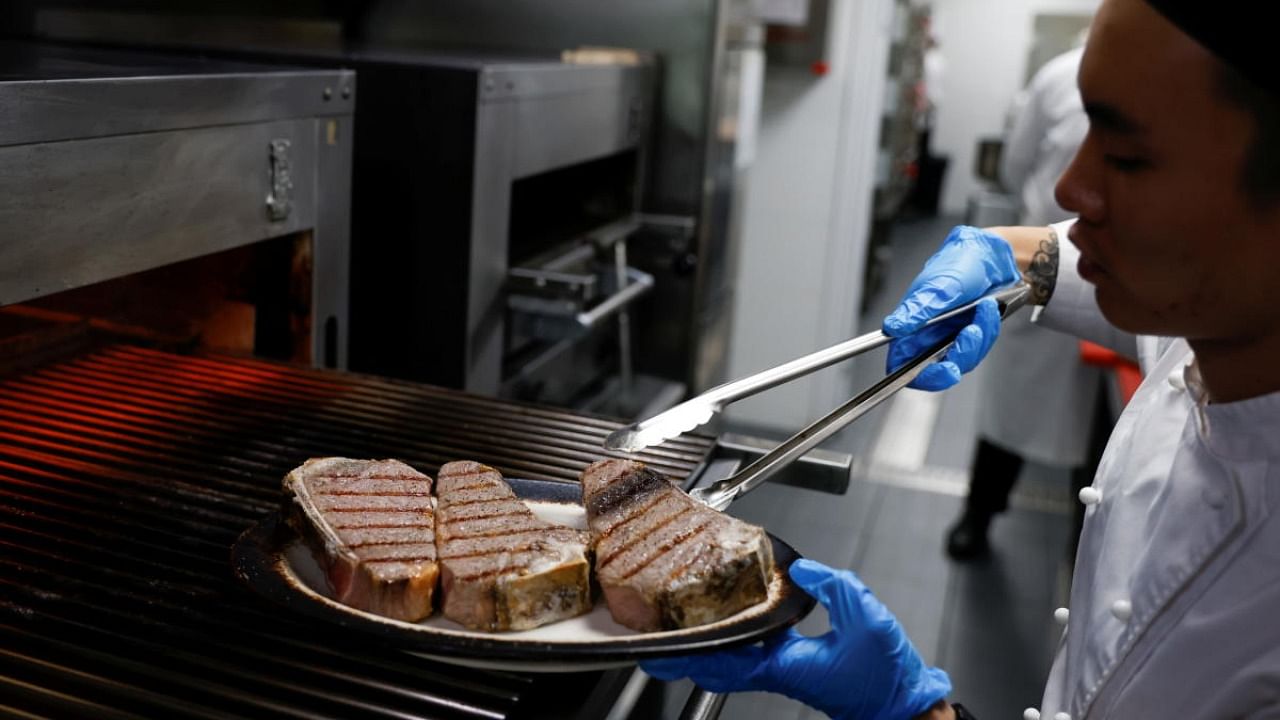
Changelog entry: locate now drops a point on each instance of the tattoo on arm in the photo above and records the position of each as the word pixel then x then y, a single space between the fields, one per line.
pixel 1042 273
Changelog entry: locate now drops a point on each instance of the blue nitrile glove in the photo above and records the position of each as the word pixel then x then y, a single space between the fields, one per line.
pixel 970 262
pixel 864 668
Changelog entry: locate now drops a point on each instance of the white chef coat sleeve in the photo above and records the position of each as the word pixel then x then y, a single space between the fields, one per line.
pixel 1073 308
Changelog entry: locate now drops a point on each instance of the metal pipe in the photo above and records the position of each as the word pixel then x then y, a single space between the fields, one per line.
pixel 639 284
pixel 703 705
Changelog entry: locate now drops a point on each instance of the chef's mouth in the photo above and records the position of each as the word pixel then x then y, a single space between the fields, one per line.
pixel 1089 270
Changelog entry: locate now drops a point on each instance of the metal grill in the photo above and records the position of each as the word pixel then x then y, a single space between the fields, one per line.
pixel 127 473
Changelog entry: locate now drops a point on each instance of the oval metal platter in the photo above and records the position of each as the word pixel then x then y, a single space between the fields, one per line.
pixel 273 562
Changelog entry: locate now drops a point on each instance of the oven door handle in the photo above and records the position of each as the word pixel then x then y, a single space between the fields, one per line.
pixel 638 283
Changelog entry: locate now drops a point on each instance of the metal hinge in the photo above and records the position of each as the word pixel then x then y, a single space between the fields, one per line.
pixel 278 202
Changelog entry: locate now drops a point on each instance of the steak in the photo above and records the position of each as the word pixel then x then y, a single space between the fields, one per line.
pixel 665 560
pixel 503 568
pixel 370 526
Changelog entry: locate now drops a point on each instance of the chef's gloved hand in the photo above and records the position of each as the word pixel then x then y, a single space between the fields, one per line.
pixel 864 668
pixel 970 262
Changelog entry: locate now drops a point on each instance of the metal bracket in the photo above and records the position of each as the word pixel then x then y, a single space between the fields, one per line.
pixel 823 470
pixel 278 202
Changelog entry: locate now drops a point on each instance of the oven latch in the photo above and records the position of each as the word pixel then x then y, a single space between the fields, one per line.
pixel 278 202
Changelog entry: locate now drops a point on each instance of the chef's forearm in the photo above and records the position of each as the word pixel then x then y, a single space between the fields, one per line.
pixel 1036 251
pixel 1025 241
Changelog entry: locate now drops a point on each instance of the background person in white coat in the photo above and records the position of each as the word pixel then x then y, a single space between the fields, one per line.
pixel 1174 253
pixel 1039 401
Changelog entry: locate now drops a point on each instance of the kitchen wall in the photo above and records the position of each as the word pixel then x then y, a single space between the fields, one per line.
pixel 806 215
pixel 985 44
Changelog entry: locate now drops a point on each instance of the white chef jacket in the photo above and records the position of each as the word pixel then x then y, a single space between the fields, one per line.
pixel 1039 397
pixel 1176 593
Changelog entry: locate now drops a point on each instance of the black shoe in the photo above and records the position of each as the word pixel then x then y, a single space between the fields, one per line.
pixel 968 537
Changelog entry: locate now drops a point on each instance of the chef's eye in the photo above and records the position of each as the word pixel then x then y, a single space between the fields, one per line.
pixel 1126 163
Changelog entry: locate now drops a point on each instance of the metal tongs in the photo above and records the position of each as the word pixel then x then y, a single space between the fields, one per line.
pixel 699 410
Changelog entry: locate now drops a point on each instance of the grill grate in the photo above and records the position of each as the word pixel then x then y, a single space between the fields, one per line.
pixel 127 473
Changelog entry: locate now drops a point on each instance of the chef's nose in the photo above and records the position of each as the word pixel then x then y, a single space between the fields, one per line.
pixel 1079 190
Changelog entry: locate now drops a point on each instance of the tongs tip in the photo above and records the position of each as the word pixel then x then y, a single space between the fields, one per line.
pixel 625 439
pixel 659 428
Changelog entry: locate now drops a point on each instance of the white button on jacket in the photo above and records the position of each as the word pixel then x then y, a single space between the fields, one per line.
pixel 1185 533
pixel 1122 610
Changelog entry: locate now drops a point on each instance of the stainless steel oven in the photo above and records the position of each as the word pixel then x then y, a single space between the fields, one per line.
pixel 692 175
pixel 115 164
pixel 494 199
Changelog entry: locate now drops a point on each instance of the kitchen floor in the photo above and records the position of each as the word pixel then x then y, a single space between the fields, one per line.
pixel 988 623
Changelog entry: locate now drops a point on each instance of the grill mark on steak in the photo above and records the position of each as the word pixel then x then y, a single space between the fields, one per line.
pixel 412 511
pixel 637 482
pixel 333 476
pixel 466 503
pixel 517 565
pixel 464 488
pixel 392 551
pixel 490 516
pixel 359 537
pixel 426 537
pixel 622 548
pixel 368 503
pixel 635 513
pixel 638 529
pixel 528 547
pixel 403 560
pixel 380 526
pixel 668 546
pixel 354 520
pixel 487 527
pixel 500 532
pixel 347 493
pixel 390 485
pixel 530 540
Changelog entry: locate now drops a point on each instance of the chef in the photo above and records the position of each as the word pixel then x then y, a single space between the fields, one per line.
pixel 1173 257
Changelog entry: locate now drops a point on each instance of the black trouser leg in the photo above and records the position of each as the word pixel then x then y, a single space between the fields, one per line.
pixel 994 472
pixel 992 476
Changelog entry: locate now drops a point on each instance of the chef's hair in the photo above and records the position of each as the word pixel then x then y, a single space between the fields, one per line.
pixel 1260 175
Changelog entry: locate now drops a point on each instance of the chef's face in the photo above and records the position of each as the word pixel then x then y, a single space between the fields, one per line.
pixel 1167 233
